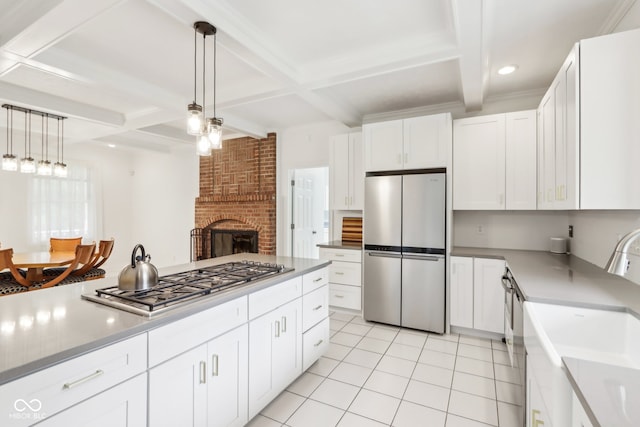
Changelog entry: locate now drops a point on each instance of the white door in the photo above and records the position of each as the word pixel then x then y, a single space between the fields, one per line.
pixel 461 304
pixel 177 390
pixel 310 211
pixel 488 295
pixel 227 379
pixel 287 344
pixel 425 141
pixel 520 167
pixel 383 146
pixel 262 389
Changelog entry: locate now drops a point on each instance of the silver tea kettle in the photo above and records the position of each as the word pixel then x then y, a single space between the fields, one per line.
pixel 138 275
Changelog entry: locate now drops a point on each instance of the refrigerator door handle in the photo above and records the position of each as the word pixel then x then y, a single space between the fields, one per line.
pixel 423 257
pixel 385 254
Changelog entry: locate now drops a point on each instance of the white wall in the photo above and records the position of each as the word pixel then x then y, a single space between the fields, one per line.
pixel 299 147
pixel 508 230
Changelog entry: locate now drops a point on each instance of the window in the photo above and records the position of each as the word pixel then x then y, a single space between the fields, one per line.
pixel 63 207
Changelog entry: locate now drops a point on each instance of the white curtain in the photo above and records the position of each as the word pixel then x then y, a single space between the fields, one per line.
pixel 63 207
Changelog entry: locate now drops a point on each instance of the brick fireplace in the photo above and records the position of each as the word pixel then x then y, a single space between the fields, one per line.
pixel 238 192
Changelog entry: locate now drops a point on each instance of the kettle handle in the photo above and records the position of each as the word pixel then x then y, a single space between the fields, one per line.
pixel 133 254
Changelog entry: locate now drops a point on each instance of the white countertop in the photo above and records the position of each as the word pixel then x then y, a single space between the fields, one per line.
pixel 44 327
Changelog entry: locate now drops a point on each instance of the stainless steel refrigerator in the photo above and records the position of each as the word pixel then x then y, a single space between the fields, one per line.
pixel 404 242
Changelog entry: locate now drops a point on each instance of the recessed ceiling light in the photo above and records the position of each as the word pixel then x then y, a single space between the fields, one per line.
pixel 507 69
pixel 112 145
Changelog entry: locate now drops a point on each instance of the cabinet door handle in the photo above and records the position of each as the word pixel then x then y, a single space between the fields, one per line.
pixel 535 422
pixel 203 372
pixel 501 199
pixel 317 308
pixel 317 280
pixel 406 158
pixel 350 200
pixel 346 200
pixel 214 365
pixel 318 343
pixel 277 327
pixel 399 158
pixel 284 324
pixel 89 377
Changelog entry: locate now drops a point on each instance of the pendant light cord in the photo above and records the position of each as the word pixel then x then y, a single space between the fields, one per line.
pixel 204 67
pixel 25 134
pixel 214 75
pixel 62 149
pixel 195 64
pixel 8 132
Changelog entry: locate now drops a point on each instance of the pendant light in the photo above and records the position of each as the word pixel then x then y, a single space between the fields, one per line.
pixel 27 164
pixel 208 131
pixel 44 165
pixel 9 161
pixel 59 167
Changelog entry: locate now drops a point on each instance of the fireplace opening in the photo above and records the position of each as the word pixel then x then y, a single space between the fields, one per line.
pixel 229 242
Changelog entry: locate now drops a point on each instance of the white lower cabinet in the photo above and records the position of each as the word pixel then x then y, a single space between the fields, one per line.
pixel 206 386
pixel 52 390
pixel 537 414
pixel 477 295
pixel 124 405
pixel 345 277
pixel 276 347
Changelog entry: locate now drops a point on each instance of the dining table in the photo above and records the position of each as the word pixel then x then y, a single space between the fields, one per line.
pixel 36 262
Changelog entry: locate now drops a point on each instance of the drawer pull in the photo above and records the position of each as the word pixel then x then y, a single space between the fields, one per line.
pixel 318 343
pixel 339 296
pixel 317 308
pixel 338 273
pixel 317 280
pixel 214 365
pixel 96 374
pixel 339 255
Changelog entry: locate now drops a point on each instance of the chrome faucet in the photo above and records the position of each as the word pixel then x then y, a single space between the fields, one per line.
pixel 619 261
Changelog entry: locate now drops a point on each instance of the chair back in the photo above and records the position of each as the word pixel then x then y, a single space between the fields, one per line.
pixel 58 244
pixel 104 251
pixel 84 255
pixel 6 261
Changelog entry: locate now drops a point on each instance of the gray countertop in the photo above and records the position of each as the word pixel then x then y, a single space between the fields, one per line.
pixel 42 328
pixel 565 279
pixel 339 244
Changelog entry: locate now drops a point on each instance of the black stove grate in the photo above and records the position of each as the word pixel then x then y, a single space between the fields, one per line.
pixel 177 288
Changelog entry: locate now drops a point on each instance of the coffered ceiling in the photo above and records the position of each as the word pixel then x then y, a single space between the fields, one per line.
pixel 122 70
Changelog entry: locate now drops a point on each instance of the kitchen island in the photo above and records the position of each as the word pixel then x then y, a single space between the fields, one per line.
pixel 567 280
pixel 47 331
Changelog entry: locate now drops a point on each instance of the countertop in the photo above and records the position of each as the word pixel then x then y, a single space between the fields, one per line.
pixel 612 392
pixel 41 328
pixel 568 280
pixel 339 244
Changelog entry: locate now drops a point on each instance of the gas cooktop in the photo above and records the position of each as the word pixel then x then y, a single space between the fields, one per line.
pixel 178 289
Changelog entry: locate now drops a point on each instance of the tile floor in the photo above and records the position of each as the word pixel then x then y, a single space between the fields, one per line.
pixel 377 375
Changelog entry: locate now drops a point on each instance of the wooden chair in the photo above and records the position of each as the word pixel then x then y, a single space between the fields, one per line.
pixel 58 244
pixel 15 282
pixel 84 255
pixel 90 271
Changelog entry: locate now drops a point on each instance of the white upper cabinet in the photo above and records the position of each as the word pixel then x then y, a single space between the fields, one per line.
pixel 610 121
pixel 520 158
pixel 559 139
pixel 415 143
pixel 478 163
pixel 494 162
pixel 347 174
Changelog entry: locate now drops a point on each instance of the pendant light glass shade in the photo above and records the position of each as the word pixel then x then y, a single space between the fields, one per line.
pixel 9 163
pixel 59 170
pixel 214 132
pixel 194 119
pixel 203 145
pixel 44 168
pixel 27 165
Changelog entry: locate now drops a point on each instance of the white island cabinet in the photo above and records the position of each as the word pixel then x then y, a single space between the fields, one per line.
pixel 47 393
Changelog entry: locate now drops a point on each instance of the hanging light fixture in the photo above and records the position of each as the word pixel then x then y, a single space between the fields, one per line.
pixel 59 167
pixel 208 131
pixel 9 161
pixel 44 165
pixel 27 164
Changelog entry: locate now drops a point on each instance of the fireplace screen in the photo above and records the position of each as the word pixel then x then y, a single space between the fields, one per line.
pixel 228 242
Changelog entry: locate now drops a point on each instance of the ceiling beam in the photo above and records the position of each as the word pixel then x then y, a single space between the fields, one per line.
pixel 468 16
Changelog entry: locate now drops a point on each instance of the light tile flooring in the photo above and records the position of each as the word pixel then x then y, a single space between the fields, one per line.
pixel 377 375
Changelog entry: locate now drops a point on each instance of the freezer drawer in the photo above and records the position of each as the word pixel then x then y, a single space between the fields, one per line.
pixel 381 287
pixel 423 289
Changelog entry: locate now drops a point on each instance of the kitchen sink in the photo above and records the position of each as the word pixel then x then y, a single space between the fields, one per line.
pixel 598 335
pixel 555 331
